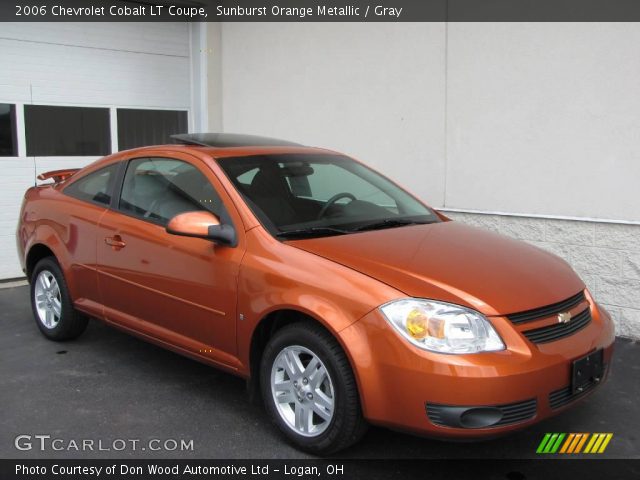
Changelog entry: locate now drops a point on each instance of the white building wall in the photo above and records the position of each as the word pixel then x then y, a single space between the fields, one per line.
pixel 544 118
pixel 605 255
pixel 540 120
pixel 375 91
pixel 124 64
pixel 145 65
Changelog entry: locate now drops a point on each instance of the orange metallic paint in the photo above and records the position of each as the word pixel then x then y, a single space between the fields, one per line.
pixel 205 300
pixel 473 267
pixel 194 224
pixel 58 175
pixel 396 377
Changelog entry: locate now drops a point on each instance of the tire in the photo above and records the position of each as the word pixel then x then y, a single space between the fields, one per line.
pixel 319 407
pixel 51 303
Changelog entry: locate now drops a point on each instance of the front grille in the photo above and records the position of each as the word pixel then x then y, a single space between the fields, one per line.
pixel 564 396
pixel 511 413
pixel 559 330
pixel 547 311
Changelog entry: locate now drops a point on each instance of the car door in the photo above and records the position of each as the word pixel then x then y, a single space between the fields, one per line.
pixel 180 290
pixel 89 198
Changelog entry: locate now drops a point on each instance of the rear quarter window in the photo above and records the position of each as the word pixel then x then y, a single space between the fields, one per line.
pixel 95 187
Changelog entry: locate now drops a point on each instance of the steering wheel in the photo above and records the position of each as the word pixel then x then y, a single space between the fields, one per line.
pixel 333 200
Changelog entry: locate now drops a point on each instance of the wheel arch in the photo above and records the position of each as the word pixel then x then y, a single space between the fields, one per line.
pixel 46 242
pixel 36 252
pixel 264 330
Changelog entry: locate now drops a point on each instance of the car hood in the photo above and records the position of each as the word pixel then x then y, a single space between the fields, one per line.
pixel 456 263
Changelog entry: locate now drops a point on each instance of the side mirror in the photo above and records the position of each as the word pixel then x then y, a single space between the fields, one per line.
pixel 202 224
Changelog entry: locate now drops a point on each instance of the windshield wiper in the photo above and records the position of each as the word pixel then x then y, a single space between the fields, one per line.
pixel 311 232
pixel 388 223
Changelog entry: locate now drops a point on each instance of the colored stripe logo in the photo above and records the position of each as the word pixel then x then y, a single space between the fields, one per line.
pixel 573 443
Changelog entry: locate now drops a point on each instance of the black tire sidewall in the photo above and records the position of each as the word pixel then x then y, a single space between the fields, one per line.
pixel 62 330
pixel 311 337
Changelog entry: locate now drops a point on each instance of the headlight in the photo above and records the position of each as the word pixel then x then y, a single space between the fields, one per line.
pixel 442 327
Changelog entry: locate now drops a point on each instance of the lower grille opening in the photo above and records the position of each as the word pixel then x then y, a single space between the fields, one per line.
pixel 481 416
pixel 564 396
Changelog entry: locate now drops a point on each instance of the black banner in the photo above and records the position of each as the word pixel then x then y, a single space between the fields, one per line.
pixel 320 10
pixel 582 469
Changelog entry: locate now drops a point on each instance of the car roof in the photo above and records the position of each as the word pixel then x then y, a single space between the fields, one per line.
pixel 220 145
pixel 225 140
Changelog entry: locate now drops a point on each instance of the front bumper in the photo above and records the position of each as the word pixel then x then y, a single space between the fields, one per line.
pixel 402 386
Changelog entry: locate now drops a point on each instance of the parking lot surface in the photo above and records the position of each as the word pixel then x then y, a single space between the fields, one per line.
pixel 108 386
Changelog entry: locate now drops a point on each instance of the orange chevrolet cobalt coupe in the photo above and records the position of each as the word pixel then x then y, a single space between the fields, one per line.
pixel 341 298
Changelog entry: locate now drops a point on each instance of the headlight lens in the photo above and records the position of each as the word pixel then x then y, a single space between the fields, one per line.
pixel 442 327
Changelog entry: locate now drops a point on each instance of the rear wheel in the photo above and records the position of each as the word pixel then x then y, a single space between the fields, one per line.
pixel 51 303
pixel 309 389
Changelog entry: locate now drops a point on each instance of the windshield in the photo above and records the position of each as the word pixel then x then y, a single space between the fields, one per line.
pixel 311 195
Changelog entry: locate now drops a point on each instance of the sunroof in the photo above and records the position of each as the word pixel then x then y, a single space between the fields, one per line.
pixel 230 140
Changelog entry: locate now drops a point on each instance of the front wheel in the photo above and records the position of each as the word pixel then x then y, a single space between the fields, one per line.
pixel 309 389
pixel 51 303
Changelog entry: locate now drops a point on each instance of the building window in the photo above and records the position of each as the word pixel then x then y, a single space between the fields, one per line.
pixel 139 128
pixel 75 131
pixel 8 137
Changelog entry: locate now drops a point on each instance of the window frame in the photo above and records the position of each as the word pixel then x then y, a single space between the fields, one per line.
pixel 265 222
pixel 225 217
pixel 109 139
pixel 111 190
pixel 117 111
pixel 13 124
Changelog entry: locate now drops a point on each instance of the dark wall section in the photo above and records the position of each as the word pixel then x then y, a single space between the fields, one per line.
pixel 57 131
pixel 8 139
pixel 138 128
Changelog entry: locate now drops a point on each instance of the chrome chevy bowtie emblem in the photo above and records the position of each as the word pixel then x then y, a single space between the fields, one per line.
pixel 564 317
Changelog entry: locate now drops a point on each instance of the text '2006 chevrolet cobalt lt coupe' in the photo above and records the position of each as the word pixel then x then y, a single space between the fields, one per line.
pixel 340 297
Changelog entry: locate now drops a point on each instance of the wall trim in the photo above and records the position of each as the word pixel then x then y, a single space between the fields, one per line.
pixel 541 216
pixel 199 115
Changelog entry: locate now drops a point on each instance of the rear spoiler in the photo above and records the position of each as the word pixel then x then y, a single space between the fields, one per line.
pixel 58 175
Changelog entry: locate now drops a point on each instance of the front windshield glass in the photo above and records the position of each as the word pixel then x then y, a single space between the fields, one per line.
pixel 312 195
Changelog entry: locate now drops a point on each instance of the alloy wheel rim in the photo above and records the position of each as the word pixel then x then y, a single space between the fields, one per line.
pixel 47 299
pixel 302 391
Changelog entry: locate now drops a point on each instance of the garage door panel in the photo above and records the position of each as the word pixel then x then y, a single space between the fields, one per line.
pixel 9 265
pixel 156 38
pixel 99 77
pixel 114 65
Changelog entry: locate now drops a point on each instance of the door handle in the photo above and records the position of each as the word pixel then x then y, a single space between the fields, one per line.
pixel 115 242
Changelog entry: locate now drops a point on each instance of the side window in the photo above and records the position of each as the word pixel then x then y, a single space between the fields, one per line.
pixel 95 187
pixel 158 189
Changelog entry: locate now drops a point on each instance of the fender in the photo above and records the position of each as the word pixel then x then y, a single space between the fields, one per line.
pixel 46 235
pixel 69 234
pixel 326 313
pixel 304 283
